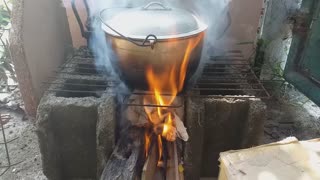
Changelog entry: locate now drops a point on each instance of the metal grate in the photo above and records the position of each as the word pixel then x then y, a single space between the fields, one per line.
pixel 227 76
pixel 5 118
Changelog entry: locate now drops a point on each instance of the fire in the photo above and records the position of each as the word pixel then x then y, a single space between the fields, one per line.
pixel 169 131
pixel 147 139
pixel 166 84
pixel 160 147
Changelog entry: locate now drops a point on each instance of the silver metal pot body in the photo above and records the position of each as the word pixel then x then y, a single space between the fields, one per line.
pixel 134 60
pixel 159 46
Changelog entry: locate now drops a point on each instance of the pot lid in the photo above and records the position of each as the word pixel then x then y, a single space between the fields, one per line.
pixel 154 18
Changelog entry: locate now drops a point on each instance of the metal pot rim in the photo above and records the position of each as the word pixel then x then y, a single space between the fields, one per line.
pixel 201 27
pixel 168 37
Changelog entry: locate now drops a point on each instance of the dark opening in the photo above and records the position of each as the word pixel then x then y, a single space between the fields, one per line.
pixel 82 88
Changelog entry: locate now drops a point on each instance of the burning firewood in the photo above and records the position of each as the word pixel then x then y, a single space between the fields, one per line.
pixel 165 121
pixel 181 129
pixel 170 132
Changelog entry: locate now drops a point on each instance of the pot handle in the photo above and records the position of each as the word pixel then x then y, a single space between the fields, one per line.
pixel 84 33
pixel 149 41
pixel 163 7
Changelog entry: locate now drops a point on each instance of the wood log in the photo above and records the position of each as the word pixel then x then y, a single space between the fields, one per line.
pixel 172 163
pixel 125 159
pixel 150 166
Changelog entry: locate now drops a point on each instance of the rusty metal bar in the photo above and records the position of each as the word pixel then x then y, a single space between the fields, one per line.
pixel 228 78
pixel 227 84
pixel 226 73
pixel 76 73
pixel 74 91
pixel 73 78
pixel 80 84
pixel 227 89
pixel 229 64
pixel 230 59
pixel 260 83
pixel 153 105
pixel 84 68
pixel 228 96
pixel 5 143
pixel 79 63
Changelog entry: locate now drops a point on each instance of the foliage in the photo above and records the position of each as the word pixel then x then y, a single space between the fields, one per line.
pixel 6 66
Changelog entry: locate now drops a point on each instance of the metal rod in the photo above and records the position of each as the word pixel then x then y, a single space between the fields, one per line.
pixel 230 64
pixel 151 93
pixel 81 63
pixel 80 84
pixel 230 59
pixel 226 89
pixel 227 73
pixel 2 143
pixel 73 78
pixel 5 141
pixel 74 91
pixel 260 83
pixel 224 68
pixel 228 78
pixel 226 84
pixel 80 68
pixel 228 96
pixel 73 73
pixel 153 105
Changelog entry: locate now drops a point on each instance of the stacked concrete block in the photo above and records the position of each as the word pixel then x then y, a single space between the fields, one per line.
pixel 216 125
pixel 76 129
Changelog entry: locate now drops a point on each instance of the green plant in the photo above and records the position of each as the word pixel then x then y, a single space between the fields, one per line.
pixel 6 66
pixel 259 57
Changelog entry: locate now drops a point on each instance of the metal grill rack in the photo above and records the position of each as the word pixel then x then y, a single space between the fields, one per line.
pixel 4 118
pixel 227 76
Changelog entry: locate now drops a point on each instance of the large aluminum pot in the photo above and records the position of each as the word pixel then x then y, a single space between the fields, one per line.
pixel 152 36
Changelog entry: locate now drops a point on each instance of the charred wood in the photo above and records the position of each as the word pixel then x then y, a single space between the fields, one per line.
pixel 126 158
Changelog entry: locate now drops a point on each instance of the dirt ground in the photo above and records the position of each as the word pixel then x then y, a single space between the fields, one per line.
pixel 284 118
pixel 290 113
pixel 24 150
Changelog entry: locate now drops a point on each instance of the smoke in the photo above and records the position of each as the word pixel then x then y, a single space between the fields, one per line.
pixel 213 12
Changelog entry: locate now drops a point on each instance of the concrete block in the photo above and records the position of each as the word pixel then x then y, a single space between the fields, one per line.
pixel 216 125
pixel 76 129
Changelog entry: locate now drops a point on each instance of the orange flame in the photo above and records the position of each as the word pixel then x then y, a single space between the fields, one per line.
pixel 147 138
pixel 169 81
pixel 160 147
pixel 167 125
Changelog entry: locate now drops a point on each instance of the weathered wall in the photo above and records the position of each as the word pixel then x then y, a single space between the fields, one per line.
pixel 46 38
pixel 39 40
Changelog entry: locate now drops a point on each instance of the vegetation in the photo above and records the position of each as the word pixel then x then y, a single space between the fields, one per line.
pixel 6 66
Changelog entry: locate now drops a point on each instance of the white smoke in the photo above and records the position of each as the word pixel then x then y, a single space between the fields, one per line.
pixel 212 12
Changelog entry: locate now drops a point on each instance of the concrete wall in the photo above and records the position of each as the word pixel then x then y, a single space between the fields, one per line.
pixel 245 15
pixel 39 41
pixel 46 38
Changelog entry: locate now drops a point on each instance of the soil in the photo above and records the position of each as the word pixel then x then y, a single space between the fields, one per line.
pixel 291 114
pixel 285 117
pixel 24 150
